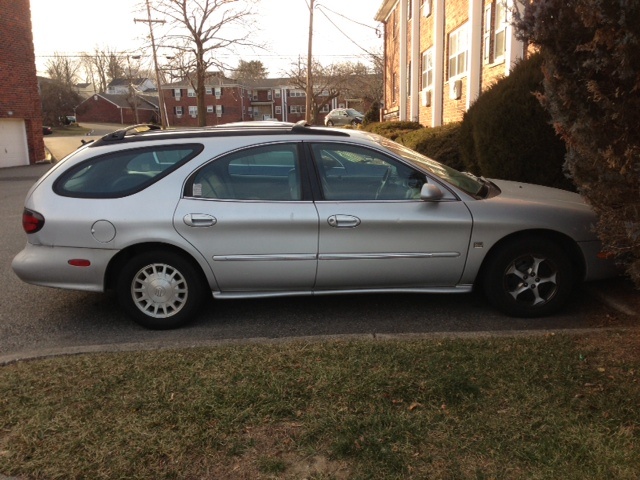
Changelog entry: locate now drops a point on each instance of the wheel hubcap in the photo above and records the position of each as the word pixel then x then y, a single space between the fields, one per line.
pixel 531 280
pixel 159 290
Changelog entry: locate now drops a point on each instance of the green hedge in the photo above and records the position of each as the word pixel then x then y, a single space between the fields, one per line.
pixel 507 134
pixel 440 143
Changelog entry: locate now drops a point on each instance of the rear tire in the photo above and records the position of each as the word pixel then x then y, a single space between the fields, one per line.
pixel 329 123
pixel 528 278
pixel 160 290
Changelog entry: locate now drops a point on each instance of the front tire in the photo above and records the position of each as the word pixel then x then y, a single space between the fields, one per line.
pixel 329 123
pixel 528 278
pixel 160 290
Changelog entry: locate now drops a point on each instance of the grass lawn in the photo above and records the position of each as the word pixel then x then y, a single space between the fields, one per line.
pixel 536 407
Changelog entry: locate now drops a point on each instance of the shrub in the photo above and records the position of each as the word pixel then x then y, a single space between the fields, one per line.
pixel 372 115
pixel 392 130
pixel 440 143
pixel 592 90
pixel 507 134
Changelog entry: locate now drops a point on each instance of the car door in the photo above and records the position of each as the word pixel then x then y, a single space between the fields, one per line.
pixel 244 212
pixel 375 232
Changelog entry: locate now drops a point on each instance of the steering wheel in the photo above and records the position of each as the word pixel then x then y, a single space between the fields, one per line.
pixel 384 181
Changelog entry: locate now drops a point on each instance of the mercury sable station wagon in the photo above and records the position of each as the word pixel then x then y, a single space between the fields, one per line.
pixel 274 209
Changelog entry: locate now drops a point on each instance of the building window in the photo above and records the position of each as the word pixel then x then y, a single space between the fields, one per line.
pixel 208 91
pixel 191 92
pixel 193 111
pixel 278 110
pixel 500 36
pixel 218 92
pixel 277 93
pixel 209 108
pixel 325 108
pixel 487 28
pixel 458 52
pixel 427 69
pixel 297 109
pixel 177 93
pixel 426 8
pixel 269 95
pixel 297 93
pixel 394 88
pixel 219 110
pixel 178 111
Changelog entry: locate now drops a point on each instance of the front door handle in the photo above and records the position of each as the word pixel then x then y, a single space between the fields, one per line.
pixel 343 221
pixel 199 220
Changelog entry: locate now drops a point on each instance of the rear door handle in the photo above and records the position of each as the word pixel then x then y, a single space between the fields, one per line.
pixel 199 220
pixel 343 221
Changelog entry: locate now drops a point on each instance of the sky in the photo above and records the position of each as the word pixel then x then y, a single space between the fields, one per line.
pixel 343 30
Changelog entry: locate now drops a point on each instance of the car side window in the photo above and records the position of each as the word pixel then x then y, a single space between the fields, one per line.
pixel 123 173
pixel 350 172
pixel 268 173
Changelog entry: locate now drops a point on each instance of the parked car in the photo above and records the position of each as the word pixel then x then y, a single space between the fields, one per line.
pixel 47 130
pixel 168 217
pixel 343 116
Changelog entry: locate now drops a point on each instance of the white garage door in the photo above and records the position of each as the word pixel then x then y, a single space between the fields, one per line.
pixel 13 143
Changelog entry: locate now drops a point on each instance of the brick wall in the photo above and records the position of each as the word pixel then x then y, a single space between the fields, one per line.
pixel 18 83
pixel 97 109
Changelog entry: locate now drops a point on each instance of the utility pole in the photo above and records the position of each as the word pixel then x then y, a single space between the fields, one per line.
pixel 309 93
pixel 162 110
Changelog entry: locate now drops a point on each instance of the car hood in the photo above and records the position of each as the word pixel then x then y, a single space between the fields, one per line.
pixel 537 193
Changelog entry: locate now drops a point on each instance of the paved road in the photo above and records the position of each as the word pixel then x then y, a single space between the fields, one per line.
pixel 37 321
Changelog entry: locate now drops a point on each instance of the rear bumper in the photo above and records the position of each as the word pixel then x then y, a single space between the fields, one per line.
pixel 49 267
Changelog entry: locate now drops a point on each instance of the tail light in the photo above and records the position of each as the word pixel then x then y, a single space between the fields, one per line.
pixel 32 222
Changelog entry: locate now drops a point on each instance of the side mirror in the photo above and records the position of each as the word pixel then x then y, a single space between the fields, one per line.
pixel 430 193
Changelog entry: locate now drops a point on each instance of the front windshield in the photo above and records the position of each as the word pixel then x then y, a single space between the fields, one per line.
pixel 467 183
pixel 353 113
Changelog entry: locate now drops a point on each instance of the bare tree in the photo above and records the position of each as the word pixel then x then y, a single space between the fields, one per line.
pixel 103 65
pixel 329 82
pixel 63 70
pixel 251 70
pixel 198 29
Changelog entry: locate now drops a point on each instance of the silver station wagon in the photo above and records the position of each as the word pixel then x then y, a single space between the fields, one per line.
pixel 166 218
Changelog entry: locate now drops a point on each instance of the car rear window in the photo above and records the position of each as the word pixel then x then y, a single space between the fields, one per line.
pixel 123 173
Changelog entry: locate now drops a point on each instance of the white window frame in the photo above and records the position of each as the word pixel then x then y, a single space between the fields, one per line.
pixel 278 110
pixel 193 110
pixel 208 91
pixel 500 31
pixel 219 110
pixel 428 70
pixel 218 92
pixel 277 93
pixel 209 108
pixel 426 8
pixel 191 92
pixel 487 29
pixel 178 110
pixel 177 93
pixel 459 52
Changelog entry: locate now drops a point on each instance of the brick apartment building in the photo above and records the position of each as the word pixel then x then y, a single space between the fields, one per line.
pixel 441 54
pixel 21 140
pixel 229 101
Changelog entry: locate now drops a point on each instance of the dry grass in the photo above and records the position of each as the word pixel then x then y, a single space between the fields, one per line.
pixel 505 408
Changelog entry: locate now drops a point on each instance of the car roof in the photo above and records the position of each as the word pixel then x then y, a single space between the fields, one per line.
pixel 145 132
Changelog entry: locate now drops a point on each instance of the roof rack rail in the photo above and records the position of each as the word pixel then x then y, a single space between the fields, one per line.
pixel 131 130
pixel 137 133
